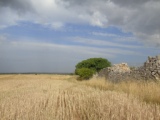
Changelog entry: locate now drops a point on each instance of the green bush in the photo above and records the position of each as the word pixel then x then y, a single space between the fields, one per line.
pixel 95 64
pixel 85 73
pixel 86 68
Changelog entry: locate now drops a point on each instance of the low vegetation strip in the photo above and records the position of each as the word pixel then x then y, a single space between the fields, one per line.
pixel 53 97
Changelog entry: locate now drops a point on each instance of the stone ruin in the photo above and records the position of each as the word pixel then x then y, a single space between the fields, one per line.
pixel 151 68
pixel 118 72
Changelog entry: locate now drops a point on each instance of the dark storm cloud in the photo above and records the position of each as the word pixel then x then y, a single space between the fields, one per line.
pixel 17 5
pixel 132 3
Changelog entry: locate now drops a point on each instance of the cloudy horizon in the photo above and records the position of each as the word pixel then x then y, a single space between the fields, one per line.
pixel 54 35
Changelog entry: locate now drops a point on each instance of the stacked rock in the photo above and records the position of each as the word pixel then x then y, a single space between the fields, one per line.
pixel 149 71
pixel 119 68
pixel 152 67
pixel 118 72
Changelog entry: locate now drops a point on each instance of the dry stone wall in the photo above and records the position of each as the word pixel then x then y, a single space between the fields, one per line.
pixel 118 72
pixel 152 68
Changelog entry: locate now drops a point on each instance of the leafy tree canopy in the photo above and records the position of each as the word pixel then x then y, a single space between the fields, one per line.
pixel 95 64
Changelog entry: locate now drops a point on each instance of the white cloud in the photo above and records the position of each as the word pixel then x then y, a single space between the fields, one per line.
pixel 63 49
pixel 7 17
pixel 98 42
pixel 98 19
pixel 140 17
pixel 105 34
pixel 115 37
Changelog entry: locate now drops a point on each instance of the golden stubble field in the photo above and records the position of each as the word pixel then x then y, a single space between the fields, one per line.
pixel 61 97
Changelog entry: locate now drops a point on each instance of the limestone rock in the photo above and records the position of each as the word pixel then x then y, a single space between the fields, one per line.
pixel 150 70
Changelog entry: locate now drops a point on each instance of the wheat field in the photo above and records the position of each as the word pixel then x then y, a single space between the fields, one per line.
pixel 61 97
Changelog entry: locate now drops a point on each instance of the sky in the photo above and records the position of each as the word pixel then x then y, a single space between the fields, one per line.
pixel 52 36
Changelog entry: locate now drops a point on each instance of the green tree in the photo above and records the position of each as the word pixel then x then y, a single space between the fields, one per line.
pixel 94 64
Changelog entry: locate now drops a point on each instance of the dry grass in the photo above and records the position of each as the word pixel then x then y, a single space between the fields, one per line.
pixel 148 91
pixel 53 97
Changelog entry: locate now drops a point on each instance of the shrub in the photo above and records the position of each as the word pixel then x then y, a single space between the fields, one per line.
pixel 85 73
